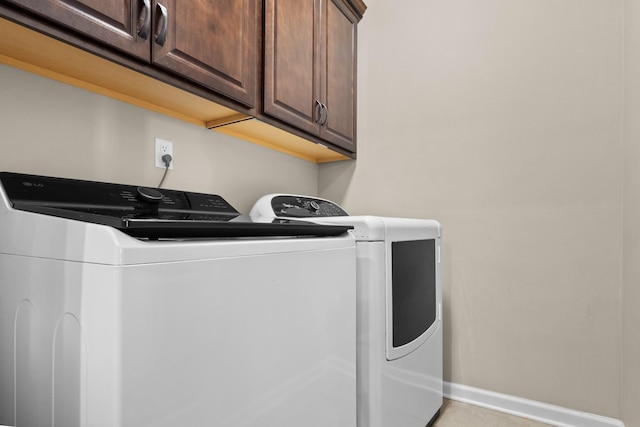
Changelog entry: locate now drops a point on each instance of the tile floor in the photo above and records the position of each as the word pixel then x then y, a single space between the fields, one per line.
pixel 457 414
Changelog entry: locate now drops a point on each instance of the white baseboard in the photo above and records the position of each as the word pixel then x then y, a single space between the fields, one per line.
pixel 531 409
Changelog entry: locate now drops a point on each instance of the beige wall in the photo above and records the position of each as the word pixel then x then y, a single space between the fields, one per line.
pixel 631 271
pixel 53 129
pixel 502 119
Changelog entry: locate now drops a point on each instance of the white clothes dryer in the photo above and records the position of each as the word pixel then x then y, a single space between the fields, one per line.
pixel 399 311
pixel 121 311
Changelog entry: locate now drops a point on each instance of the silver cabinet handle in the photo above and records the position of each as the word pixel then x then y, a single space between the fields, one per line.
pixel 162 34
pixel 326 115
pixel 318 113
pixel 146 19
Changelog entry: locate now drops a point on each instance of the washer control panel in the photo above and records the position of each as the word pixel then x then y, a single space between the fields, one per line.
pixel 290 206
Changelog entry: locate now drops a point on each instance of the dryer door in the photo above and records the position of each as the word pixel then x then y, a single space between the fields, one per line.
pixel 413 291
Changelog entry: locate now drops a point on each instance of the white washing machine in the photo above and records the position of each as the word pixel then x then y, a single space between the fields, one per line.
pixel 399 294
pixel 124 307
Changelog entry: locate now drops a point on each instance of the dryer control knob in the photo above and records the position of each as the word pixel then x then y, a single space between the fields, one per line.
pixel 150 195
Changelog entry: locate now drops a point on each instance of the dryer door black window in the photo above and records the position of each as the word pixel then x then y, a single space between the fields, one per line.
pixel 413 276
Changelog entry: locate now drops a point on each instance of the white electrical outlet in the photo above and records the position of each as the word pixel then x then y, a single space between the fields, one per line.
pixel 163 147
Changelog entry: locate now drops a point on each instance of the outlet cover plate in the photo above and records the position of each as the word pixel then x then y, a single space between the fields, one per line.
pixel 163 147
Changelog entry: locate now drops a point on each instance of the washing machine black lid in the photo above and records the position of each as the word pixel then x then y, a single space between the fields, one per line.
pixel 147 212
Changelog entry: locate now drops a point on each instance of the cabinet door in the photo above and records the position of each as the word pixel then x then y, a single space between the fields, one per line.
pixel 339 72
pixel 115 22
pixel 212 42
pixel 291 60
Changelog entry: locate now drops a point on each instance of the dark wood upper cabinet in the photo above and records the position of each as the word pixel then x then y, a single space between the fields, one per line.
pixel 291 58
pixel 310 67
pixel 340 71
pixel 290 64
pixel 115 23
pixel 214 43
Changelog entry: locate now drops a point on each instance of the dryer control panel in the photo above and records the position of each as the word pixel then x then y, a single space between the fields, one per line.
pixel 292 206
pixel 302 206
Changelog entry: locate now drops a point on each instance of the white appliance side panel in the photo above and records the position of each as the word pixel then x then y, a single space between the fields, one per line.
pixel 412 386
pixel 242 341
pixel 371 332
pixel 412 383
pixel 47 349
pixel 406 391
pixel 267 341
